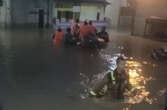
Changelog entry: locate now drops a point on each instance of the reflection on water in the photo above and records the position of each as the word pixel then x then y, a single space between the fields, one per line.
pixel 35 74
pixel 89 82
pixel 138 81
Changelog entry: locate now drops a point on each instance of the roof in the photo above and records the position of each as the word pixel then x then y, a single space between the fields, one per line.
pixel 84 1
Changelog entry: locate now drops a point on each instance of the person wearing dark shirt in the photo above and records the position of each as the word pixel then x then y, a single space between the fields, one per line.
pixel 104 35
pixel 69 38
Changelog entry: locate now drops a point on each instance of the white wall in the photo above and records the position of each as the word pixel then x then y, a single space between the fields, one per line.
pixel 89 12
pixel 5 13
pixel 54 10
pixel 2 15
pixel 112 11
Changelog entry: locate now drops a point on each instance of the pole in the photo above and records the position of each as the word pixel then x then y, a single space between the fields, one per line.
pixel 48 3
pixel 166 100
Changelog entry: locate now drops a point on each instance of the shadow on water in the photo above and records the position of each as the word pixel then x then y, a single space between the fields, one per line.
pixel 35 74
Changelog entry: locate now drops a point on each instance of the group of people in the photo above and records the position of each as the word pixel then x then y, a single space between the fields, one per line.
pixel 85 34
pixel 117 81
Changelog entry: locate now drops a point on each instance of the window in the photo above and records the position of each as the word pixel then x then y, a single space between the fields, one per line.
pixel 76 15
pixel 67 15
pixel 76 4
pixel 60 5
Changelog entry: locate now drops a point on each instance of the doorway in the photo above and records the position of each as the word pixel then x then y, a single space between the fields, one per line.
pixel 41 15
pixel 98 16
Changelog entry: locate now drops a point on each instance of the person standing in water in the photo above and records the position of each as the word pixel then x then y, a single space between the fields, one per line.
pixel 58 36
pixel 103 34
pixel 84 30
pixel 69 38
pixel 117 81
pixel 92 29
pixel 75 28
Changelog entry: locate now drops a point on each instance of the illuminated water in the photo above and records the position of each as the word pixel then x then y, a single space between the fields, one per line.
pixel 36 75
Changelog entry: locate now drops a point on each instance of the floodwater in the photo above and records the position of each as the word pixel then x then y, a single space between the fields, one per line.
pixel 37 75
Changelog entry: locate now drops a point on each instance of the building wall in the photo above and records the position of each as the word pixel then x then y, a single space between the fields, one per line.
pixel 21 11
pixel 2 15
pixel 147 8
pixel 89 11
pixel 5 11
pixel 112 11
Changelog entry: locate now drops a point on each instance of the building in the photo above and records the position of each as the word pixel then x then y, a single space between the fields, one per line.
pixel 145 9
pixel 5 13
pixel 21 12
pixel 28 11
pixel 66 10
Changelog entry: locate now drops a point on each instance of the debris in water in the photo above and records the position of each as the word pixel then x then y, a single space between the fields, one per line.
pixel 145 62
pixel 131 58
pixel 162 92
pixel 121 47
pixel 82 96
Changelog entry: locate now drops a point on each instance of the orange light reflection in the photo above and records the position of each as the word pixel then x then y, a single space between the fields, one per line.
pixel 138 81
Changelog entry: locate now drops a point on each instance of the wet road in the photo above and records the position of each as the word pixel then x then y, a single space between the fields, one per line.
pixel 35 74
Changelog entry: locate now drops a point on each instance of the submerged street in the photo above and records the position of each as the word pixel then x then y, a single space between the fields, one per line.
pixel 35 74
